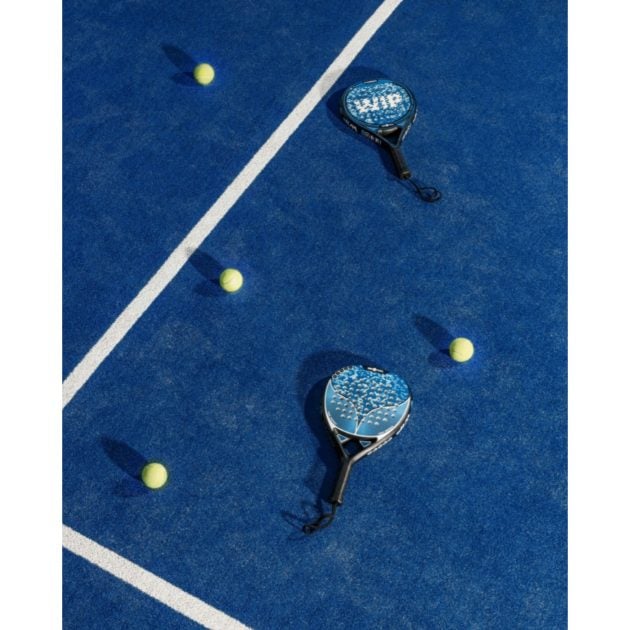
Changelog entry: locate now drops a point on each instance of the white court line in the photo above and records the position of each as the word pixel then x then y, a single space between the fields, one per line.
pixel 148 583
pixel 178 258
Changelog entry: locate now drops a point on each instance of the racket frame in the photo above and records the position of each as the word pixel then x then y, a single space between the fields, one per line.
pixel 367 444
pixel 379 133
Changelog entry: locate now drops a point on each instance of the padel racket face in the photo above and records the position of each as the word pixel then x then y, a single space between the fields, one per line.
pixel 366 403
pixel 380 110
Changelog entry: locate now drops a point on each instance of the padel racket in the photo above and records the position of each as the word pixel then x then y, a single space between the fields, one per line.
pixel 364 408
pixel 384 111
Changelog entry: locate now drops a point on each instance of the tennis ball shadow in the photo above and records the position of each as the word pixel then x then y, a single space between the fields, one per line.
pixel 130 462
pixel 210 270
pixel 439 337
pixel 311 382
pixel 184 62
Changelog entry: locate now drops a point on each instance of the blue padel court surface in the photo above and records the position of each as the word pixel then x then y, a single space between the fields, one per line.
pixel 458 523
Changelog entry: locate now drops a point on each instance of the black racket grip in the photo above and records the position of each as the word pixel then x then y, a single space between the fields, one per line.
pixel 342 480
pixel 400 163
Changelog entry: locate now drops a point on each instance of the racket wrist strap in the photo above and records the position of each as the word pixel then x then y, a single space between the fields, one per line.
pixel 426 193
pixel 323 521
pixel 327 518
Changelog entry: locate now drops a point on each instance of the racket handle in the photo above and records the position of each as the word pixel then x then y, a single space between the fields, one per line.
pixel 342 480
pixel 400 163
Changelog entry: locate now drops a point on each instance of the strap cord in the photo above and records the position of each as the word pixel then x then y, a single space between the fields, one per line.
pixel 322 522
pixel 426 193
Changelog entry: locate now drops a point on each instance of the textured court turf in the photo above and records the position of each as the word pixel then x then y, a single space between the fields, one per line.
pixel 146 150
pixel 461 521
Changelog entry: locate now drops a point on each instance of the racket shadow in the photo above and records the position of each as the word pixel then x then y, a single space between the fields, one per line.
pixel 326 458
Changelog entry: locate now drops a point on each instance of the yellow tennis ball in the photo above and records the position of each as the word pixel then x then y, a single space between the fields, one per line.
pixel 154 475
pixel 231 280
pixel 461 349
pixel 204 74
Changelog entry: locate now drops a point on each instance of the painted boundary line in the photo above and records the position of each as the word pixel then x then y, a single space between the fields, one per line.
pixel 148 582
pixel 180 255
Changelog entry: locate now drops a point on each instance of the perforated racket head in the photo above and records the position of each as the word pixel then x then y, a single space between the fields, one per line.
pixel 379 106
pixel 366 403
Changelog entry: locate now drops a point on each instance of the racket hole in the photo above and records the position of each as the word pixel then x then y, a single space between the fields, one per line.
pixel 388 130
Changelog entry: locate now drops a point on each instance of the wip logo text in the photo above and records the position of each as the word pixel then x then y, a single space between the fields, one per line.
pixel 377 103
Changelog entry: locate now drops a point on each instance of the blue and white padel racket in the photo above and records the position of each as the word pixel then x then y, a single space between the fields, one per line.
pixel 383 111
pixel 364 408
